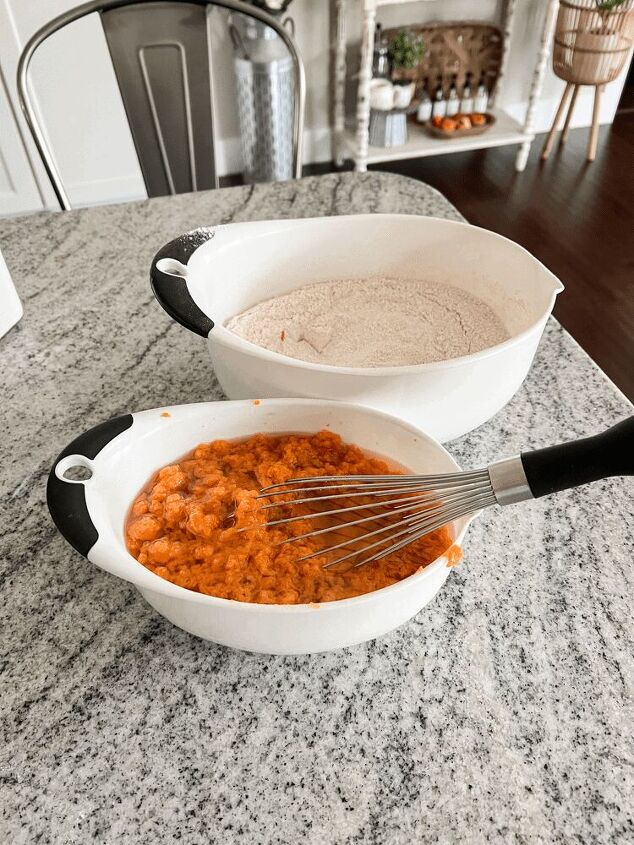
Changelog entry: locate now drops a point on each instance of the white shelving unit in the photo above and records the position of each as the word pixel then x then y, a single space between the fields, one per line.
pixel 420 143
pixel 354 143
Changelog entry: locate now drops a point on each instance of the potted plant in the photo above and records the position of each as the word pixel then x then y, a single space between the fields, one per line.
pixel 616 18
pixel 406 51
pixel 594 37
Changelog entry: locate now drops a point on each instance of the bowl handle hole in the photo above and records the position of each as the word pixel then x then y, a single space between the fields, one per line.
pixel 172 267
pixel 74 469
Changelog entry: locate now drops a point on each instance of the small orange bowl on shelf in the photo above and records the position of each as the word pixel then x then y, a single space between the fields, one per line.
pixel 460 125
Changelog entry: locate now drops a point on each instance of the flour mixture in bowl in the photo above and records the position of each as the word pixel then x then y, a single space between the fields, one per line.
pixel 381 322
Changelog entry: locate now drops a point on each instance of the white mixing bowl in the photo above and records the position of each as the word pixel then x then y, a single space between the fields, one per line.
pixel 124 452
pixel 207 276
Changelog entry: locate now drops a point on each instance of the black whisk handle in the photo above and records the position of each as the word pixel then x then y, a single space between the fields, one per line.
pixel 581 461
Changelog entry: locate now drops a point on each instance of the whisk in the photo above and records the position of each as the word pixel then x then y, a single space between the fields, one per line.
pixel 380 514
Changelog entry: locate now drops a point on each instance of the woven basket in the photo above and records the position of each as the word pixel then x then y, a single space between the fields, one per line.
pixel 592 45
pixel 454 48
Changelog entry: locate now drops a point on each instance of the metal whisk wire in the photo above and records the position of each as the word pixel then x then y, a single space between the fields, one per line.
pixel 404 507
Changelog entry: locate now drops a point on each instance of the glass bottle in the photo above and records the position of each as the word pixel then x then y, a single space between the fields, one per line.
pixel 439 107
pixel 481 97
pixel 466 104
pixel 424 105
pixel 453 101
pixel 380 58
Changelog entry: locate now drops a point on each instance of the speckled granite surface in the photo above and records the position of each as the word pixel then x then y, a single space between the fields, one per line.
pixel 501 714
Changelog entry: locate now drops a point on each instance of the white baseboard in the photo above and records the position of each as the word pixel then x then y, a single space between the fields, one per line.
pixel 111 190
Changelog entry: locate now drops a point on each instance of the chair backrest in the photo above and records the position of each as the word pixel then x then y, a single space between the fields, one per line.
pixel 161 61
pixel 160 55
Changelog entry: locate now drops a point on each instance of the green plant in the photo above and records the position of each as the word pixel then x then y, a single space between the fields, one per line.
pixel 609 5
pixel 605 8
pixel 406 50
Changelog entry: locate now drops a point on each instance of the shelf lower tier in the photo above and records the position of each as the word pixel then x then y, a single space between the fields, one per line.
pixel 505 131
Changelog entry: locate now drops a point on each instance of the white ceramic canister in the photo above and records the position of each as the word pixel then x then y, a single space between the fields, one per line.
pixel 122 453
pixel 10 305
pixel 403 95
pixel 381 95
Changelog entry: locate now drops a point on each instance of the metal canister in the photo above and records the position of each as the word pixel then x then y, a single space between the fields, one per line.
pixel 264 71
pixel 388 128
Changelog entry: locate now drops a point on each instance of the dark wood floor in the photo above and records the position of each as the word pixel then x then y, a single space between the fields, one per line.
pixel 575 217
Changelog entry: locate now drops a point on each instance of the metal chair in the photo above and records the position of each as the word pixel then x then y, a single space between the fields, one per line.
pixel 173 134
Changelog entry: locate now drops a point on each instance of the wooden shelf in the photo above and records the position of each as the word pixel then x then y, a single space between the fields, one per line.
pixel 354 144
pixel 420 143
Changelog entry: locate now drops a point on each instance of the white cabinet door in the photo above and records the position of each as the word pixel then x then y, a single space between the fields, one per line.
pixel 19 192
pixel 75 93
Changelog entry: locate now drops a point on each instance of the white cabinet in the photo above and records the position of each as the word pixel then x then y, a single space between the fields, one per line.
pixel 19 191
pixel 78 100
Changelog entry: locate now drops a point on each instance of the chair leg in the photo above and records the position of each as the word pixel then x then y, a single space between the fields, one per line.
pixel 564 135
pixel 594 131
pixel 548 145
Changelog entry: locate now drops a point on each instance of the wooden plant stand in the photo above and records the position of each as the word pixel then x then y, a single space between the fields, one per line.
pixel 591 47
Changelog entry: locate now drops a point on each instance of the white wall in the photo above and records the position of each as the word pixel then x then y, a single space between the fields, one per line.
pixel 84 117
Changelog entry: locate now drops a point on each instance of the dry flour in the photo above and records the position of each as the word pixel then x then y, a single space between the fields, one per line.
pixel 381 322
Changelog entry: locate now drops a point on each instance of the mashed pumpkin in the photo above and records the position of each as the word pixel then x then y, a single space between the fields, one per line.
pixel 185 524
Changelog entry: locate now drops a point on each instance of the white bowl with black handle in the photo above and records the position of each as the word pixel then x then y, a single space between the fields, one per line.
pixel 121 454
pixel 207 276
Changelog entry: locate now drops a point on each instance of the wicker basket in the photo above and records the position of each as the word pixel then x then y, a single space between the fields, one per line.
pixel 592 44
pixel 454 48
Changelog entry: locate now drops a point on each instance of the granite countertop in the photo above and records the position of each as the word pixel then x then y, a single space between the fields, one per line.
pixel 501 713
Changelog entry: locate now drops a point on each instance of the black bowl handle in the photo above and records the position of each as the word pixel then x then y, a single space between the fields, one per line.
pixel 170 286
pixel 66 499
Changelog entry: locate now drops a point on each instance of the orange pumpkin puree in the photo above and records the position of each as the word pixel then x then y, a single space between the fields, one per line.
pixel 184 524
